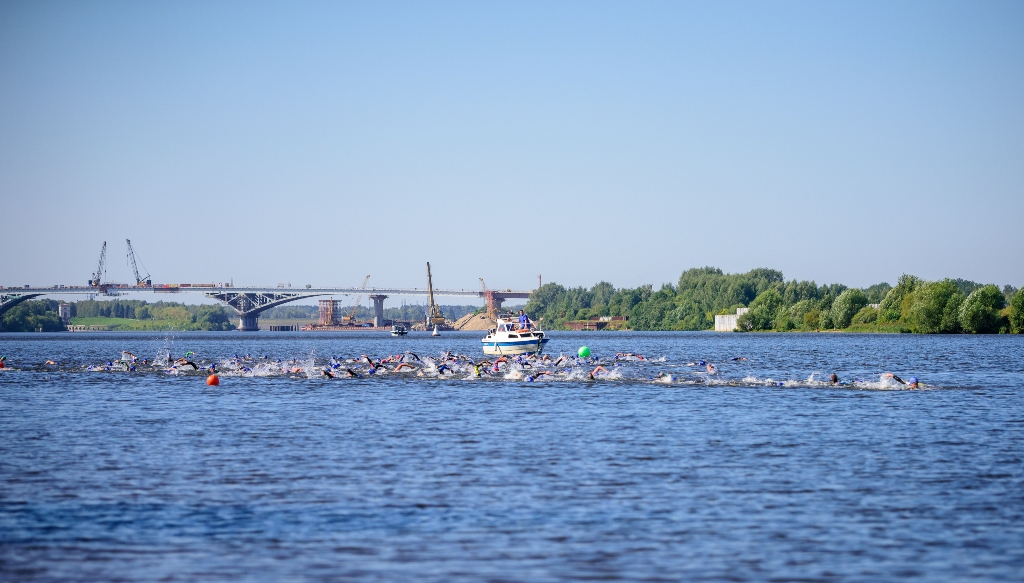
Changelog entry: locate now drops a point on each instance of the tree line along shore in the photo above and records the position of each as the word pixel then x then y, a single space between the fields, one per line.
pixel 948 306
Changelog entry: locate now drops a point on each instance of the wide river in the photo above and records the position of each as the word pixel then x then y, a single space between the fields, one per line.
pixel 759 471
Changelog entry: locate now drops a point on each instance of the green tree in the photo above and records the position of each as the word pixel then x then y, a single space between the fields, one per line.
pixel 846 307
pixel 212 318
pixel 812 319
pixel 799 311
pixel 979 313
pixel 825 318
pixel 763 311
pixel 935 308
pixel 798 291
pixel 656 313
pixel 876 293
pixel 890 309
pixel 966 286
pixel 1017 313
pixel 1009 292
pixel 866 315
pixel 782 323
pixel 33 315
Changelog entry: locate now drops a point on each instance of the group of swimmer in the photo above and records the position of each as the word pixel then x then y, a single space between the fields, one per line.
pixel 525 367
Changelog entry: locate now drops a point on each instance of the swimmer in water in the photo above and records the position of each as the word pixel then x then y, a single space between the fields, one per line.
pixel 712 369
pixel 327 373
pixel 913 383
pixel 186 363
pixel 49 362
pixel 889 375
pixel 404 365
pixel 833 379
pixel 597 370
pixel 2 359
pixel 351 373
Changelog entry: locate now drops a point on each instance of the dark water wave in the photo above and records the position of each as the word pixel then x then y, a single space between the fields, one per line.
pixel 148 475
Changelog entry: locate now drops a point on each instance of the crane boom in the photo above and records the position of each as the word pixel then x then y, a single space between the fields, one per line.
pixel 359 298
pixel 139 280
pixel 97 278
pixel 436 317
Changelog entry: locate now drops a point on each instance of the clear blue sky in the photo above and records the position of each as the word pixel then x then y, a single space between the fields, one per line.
pixel 319 142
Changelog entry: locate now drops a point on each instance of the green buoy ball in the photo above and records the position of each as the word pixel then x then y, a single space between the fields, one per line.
pixel 583 352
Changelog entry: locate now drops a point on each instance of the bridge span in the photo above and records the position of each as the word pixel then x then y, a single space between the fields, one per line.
pixel 247 301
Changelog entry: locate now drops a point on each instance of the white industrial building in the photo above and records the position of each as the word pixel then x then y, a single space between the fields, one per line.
pixel 727 322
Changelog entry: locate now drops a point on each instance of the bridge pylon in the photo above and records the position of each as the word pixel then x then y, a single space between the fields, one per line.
pixel 378 309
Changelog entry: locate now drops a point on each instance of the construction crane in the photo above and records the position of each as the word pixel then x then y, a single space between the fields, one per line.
pixel 348 319
pixel 101 269
pixel 139 280
pixel 434 317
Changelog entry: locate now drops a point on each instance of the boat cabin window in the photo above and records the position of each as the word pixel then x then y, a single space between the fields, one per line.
pixel 513 336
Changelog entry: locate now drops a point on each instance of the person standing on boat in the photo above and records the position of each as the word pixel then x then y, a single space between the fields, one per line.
pixel 524 321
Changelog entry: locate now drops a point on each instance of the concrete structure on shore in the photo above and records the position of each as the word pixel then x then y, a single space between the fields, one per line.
pixel 728 322
pixel 64 311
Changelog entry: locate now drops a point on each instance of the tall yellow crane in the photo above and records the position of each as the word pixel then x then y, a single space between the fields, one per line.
pixel 435 317
pixel 348 319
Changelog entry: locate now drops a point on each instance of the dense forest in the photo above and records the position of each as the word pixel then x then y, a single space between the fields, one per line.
pixel 914 305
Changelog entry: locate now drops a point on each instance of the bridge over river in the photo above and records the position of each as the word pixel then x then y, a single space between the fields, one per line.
pixel 249 302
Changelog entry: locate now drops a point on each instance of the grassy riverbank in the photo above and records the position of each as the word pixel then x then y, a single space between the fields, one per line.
pixel 132 325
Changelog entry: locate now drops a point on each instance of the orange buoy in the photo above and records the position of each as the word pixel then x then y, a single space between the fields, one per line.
pixel 212 380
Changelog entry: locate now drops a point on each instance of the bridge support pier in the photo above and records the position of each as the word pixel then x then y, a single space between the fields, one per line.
pixel 248 322
pixel 378 310
pixel 494 301
pixel 249 305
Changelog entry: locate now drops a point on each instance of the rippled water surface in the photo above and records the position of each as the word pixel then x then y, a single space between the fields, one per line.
pixel 761 471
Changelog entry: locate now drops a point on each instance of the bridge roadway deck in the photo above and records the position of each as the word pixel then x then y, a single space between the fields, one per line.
pixel 112 290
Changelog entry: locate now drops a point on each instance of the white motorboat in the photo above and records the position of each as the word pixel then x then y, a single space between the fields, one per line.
pixel 399 330
pixel 507 338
